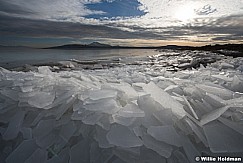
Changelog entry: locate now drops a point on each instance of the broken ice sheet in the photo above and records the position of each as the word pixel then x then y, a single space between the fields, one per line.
pixel 39 156
pixel 91 118
pixel 190 107
pixel 165 99
pixel 214 100
pixel 62 157
pixel 150 107
pixel 174 88
pixel 12 94
pixel 161 148
pixel 218 91
pixel 108 106
pixel 198 131
pixel 213 115
pixel 189 149
pixel 238 127
pixel 64 107
pixel 127 154
pixel 123 137
pixel 193 92
pixel 178 157
pixel 80 152
pixel 78 105
pixel 43 128
pixel 98 155
pixel 44 70
pixel 151 156
pixel 131 110
pixel 222 139
pixel 27 133
pixel 46 141
pixel 166 134
pixel 41 99
pixel 100 137
pixel 125 121
pixel 237 84
pixel 164 116
pixel 22 152
pixel 105 122
pixel 68 130
pixel 123 87
pixel 101 94
pixel 14 126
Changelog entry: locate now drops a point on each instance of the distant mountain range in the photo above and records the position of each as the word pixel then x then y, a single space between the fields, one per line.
pixel 233 47
pixel 96 45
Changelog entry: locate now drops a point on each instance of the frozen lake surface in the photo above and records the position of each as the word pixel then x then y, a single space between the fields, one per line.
pixel 14 57
pixel 157 109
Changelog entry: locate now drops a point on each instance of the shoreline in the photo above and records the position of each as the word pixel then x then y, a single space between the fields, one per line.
pixel 173 60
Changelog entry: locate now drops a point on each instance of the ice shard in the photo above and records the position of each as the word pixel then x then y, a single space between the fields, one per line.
pixel 123 137
pixel 165 99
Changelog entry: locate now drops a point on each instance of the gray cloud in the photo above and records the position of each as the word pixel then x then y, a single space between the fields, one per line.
pixel 205 10
pixel 41 28
pixel 46 9
pixel 220 29
pixel 9 8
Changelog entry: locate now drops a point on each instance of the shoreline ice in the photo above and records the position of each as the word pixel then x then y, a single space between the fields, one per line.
pixel 131 113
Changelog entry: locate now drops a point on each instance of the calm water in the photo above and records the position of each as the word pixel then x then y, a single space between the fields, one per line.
pixel 19 56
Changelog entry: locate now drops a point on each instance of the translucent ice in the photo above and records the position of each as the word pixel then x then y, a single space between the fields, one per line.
pixel 41 99
pixel 190 107
pixel 222 139
pixel 125 121
pixel 101 94
pixel 124 87
pixel 101 138
pixel 198 131
pixel 161 148
pixel 237 84
pixel 190 150
pixel 164 116
pixel 39 156
pixel 214 100
pixel 165 99
pixel 233 125
pixel 91 118
pixel 67 131
pixel 123 137
pixel 166 134
pixel 131 110
pixel 46 141
pixel 221 92
pixel 22 152
pixel 44 70
pixel 225 65
pixel 107 105
pixel 43 128
pixel 62 157
pixel 27 133
pixel 80 152
pixel 213 115
pixel 14 126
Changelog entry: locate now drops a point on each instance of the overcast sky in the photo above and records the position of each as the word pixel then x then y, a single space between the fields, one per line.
pixel 44 23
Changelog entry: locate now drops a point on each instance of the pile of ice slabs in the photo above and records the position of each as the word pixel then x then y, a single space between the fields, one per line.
pixel 98 116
